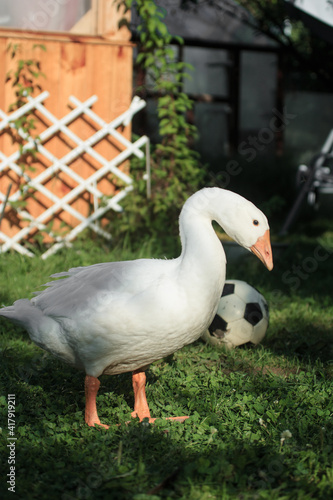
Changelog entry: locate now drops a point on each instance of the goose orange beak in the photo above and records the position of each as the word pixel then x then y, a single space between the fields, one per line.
pixel 263 250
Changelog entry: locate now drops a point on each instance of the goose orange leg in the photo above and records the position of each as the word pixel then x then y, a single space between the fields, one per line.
pixel 91 389
pixel 141 408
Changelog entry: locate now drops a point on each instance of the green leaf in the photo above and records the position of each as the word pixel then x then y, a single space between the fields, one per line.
pixel 19 204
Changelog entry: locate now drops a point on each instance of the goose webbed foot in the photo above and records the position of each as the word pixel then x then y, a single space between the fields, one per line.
pixel 141 408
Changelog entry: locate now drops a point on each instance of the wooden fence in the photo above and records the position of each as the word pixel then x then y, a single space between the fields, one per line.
pixel 74 65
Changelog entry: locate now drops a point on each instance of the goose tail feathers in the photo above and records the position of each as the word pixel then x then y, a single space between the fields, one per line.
pixel 22 312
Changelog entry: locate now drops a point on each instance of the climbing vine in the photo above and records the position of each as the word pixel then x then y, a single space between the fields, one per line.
pixel 175 165
pixel 24 80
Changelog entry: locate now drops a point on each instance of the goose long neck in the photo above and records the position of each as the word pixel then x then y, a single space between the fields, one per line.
pixel 201 248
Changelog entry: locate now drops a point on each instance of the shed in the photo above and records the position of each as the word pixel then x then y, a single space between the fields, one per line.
pixel 236 81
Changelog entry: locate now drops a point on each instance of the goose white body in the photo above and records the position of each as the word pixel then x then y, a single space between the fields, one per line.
pixel 121 316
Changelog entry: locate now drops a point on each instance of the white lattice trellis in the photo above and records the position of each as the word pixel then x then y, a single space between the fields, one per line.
pixel 57 165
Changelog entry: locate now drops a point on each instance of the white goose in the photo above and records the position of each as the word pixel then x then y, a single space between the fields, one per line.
pixel 121 316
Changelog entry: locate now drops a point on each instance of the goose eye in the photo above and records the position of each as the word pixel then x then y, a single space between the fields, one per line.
pixel 255 222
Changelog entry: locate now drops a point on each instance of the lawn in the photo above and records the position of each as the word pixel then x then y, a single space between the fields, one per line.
pixel 261 417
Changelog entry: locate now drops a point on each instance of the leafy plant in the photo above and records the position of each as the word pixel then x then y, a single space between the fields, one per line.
pixel 24 80
pixel 175 166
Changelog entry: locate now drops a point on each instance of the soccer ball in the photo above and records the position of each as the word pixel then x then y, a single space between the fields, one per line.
pixel 242 316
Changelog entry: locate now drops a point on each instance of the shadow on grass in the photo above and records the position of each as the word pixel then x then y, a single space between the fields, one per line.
pixel 136 459
pixel 310 343
pixel 143 460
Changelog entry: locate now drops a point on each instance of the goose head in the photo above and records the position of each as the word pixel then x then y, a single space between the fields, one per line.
pixel 249 227
pixel 239 218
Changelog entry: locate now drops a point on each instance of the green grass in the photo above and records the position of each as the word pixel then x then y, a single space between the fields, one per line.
pixel 240 402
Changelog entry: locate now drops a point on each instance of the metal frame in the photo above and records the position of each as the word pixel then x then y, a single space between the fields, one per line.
pixel 315 179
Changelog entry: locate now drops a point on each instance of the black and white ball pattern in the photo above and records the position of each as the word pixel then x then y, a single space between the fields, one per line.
pixel 242 316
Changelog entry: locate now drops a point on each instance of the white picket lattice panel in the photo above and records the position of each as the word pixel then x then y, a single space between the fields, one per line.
pixel 57 166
